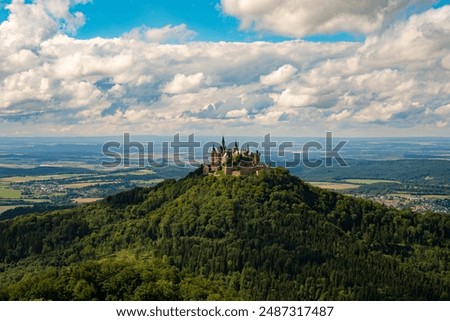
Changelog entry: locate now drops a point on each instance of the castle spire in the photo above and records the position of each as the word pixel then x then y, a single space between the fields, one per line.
pixel 223 143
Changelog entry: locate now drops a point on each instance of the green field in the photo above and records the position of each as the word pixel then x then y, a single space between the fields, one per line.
pixel 147 182
pixel 351 183
pixel 334 186
pixel 25 179
pixel 15 166
pixel 35 200
pixel 84 200
pixel 64 164
pixel 437 197
pixel 5 208
pixel 9 193
pixel 370 181
pixel 83 184
pixel 141 172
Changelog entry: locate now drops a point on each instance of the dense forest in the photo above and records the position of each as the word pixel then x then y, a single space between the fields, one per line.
pixel 265 237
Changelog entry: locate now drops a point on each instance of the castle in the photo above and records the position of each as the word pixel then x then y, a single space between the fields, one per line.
pixel 233 161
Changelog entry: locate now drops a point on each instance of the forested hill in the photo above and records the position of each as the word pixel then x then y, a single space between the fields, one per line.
pixel 266 237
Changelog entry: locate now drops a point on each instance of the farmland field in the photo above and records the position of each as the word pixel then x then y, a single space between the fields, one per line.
pixel 6 208
pixel 25 179
pixel 147 182
pixel 9 193
pixel 134 173
pixel 370 181
pixel 83 184
pixel 81 200
pixel 334 186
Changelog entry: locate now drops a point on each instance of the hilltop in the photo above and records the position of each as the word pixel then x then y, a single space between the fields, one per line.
pixel 265 237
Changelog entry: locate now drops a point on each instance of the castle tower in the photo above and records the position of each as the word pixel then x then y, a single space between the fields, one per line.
pixel 236 149
pixel 224 147
pixel 256 159
pixel 214 157
pixel 245 151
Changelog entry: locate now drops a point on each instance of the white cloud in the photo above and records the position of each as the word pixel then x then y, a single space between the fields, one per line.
pixel 446 62
pixel 182 84
pixel 379 112
pixel 237 113
pixel 167 34
pixel 26 27
pixel 291 98
pixel 30 24
pixel 81 65
pixel 298 19
pixel 443 110
pixel 23 86
pixel 21 60
pixel 279 76
pixel 441 124
pixel 60 10
pixel 420 39
pixel 345 114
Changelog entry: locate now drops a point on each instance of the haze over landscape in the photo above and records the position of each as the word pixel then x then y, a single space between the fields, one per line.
pixel 359 68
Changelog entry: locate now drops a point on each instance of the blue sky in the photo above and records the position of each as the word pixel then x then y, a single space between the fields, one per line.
pixel 113 18
pixel 110 18
pixel 358 68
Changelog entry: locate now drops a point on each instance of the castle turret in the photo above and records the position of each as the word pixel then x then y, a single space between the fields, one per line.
pixel 236 149
pixel 224 147
pixel 256 159
pixel 245 151
pixel 214 157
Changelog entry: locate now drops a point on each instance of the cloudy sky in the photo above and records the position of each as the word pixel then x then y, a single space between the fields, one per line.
pixel 247 67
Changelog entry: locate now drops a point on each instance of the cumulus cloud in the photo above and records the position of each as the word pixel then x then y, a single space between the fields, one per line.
pixel 446 62
pixel 340 116
pixel 26 27
pixel 308 17
pixel 443 110
pixel 54 83
pixel 237 113
pixel 420 39
pixel 60 10
pixel 182 84
pixel 296 99
pixel 279 76
pixel 167 34
pixel 30 24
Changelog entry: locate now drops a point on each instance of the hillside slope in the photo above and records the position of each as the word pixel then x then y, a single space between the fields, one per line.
pixel 266 237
